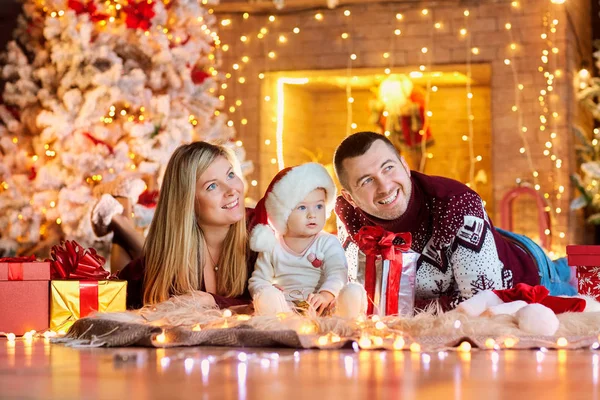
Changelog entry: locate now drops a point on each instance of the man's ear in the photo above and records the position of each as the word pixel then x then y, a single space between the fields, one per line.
pixel 405 165
pixel 348 197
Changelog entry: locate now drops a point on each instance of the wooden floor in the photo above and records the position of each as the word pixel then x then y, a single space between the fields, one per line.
pixel 39 370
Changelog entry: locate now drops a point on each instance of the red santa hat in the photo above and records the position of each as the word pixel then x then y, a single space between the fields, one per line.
pixel 288 188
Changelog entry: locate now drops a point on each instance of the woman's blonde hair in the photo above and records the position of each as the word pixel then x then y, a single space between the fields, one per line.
pixel 175 249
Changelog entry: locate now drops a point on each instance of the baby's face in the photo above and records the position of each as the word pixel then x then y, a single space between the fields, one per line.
pixel 308 217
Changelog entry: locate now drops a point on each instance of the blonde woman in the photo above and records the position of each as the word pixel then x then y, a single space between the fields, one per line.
pixel 197 239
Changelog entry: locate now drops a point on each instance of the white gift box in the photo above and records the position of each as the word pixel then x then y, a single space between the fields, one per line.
pixel 406 292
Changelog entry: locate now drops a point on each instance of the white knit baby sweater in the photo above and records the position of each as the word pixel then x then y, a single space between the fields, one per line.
pixel 296 275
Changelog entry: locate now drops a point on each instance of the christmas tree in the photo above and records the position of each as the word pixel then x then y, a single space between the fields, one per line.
pixel 98 93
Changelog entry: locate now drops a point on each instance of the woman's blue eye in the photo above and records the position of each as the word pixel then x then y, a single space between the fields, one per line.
pixel 212 186
pixel 319 206
pixel 301 208
pixel 231 175
pixel 389 167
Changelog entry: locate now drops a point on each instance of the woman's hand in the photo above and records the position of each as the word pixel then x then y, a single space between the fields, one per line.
pixel 320 301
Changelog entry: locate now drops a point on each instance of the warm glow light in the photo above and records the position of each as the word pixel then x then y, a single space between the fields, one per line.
pixel 464 347
pixel 398 343
pixel 319 16
pixel 280 112
pixel 161 338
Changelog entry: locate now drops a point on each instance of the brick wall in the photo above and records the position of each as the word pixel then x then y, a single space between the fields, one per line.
pixel 371 29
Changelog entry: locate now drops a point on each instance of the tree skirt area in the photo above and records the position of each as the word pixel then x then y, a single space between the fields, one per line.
pixel 183 321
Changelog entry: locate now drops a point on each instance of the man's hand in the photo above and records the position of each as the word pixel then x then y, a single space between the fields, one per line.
pixel 320 301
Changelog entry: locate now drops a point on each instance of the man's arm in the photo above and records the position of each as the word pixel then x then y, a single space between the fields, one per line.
pixel 474 258
pixel 350 249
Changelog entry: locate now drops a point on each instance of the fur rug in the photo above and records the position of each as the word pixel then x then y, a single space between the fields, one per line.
pixel 186 321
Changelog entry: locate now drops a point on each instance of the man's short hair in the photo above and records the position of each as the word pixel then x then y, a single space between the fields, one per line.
pixel 356 145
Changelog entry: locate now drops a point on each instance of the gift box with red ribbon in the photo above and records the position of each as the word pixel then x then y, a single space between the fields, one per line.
pixel 80 286
pixel 24 292
pixel 387 268
pixel 586 260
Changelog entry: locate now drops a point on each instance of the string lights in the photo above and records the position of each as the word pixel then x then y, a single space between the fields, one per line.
pixel 287 36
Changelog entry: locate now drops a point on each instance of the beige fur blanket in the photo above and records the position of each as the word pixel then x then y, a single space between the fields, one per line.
pixel 183 321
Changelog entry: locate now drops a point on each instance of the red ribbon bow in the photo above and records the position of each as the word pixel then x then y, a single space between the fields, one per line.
pixel 71 261
pixel 375 241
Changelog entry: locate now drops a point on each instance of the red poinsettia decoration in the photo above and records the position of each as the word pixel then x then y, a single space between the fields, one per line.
pixel 199 75
pixel 80 8
pixel 97 141
pixel 148 198
pixel 138 15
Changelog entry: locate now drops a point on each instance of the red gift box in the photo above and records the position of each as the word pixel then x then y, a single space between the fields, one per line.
pixel 586 259
pixel 24 295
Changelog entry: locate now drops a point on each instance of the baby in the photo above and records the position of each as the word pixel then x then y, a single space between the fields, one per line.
pixel 297 260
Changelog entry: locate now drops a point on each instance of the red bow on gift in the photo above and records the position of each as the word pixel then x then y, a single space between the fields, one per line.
pixel 71 261
pixel 375 241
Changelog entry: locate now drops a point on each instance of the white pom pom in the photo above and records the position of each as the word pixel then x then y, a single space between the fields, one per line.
pixel 477 304
pixel 262 238
pixel 537 319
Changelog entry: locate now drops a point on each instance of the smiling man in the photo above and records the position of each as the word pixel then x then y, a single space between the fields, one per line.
pixel 461 253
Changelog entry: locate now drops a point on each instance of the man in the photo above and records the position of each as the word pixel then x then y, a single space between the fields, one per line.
pixel 461 253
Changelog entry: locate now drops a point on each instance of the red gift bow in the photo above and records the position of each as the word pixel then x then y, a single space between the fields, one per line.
pixel 71 261
pixel 375 241
pixel 15 266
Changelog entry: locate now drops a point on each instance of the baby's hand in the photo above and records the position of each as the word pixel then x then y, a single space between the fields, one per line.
pixel 320 301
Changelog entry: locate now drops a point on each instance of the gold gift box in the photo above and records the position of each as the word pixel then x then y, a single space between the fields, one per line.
pixel 65 301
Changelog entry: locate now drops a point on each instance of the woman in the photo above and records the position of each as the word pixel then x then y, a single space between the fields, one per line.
pixel 197 239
